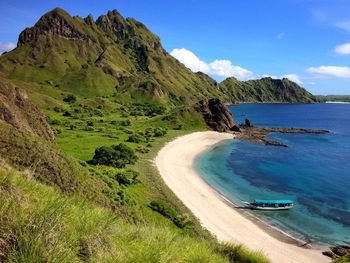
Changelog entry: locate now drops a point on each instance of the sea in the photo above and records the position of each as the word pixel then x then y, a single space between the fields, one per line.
pixel 314 170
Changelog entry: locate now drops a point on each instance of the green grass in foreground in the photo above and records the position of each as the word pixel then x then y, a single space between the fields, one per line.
pixel 40 224
pixel 344 259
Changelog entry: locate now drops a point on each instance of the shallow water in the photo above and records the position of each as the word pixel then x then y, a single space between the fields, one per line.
pixel 314 170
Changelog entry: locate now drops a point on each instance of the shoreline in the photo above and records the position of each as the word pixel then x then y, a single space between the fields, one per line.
pixel 216 213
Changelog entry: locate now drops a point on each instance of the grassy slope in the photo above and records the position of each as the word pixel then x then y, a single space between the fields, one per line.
pixel 120 226
pixel 40 224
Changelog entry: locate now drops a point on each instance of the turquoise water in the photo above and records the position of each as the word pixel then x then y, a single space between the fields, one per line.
pixel 314 170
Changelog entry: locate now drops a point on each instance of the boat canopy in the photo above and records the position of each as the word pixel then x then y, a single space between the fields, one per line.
pixel 262 201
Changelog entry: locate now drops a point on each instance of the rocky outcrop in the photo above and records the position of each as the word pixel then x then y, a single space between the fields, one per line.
pixel 17 110
pixel 216 115
pixel 57 22
pixel 338 251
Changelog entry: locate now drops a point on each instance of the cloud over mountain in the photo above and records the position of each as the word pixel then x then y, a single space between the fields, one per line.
pixel 219 67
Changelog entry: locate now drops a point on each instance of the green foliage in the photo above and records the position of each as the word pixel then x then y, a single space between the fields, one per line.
pixel 117 156
pixel 136 138
pixel 127 177
pixel 70 98
pixel 39 224
pixel 240 254
pixel 164 209
pixel 344 259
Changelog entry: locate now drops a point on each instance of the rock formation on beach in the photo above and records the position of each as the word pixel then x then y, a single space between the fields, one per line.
pixel 217 116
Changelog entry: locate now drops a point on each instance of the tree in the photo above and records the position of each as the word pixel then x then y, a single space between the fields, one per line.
pixel 117 156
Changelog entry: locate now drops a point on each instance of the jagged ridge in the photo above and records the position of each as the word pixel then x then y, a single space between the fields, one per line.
pixel 121 57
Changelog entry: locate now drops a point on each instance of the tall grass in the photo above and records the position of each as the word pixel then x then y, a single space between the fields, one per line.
pixel 40 224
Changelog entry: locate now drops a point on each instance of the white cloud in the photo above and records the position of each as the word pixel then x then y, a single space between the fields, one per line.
pixel 345 25
pixel 293 77
pixel 6 46
pixel 343 49
pixel 330 71
pixel 312 83
pixel 189 59
pixel 219 67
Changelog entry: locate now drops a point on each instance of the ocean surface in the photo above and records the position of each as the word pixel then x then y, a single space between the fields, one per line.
pixel 314 170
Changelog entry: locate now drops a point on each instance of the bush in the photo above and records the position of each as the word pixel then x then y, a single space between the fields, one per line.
pixel 158 132
pixel 67 114
pixel 142 149
pixel 57 109
pixel 70 98
pixel 117 156
pixel 164 209
pixel 90 123
pixel 136 138
pixel 127 177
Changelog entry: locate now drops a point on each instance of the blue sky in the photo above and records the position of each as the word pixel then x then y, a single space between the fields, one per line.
pixel 306 40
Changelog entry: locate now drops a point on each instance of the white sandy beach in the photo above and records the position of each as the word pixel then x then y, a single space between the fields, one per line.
pixel 175 164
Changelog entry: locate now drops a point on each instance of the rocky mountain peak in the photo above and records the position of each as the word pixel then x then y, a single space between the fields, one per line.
pixel 56 22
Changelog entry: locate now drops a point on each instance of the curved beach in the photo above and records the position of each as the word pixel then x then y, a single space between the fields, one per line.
pixel 175 164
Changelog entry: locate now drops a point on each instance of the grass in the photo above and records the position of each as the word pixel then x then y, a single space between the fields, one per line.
pixel 40 224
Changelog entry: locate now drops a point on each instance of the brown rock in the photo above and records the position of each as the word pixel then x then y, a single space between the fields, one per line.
pixel 217 116
pixel 341 250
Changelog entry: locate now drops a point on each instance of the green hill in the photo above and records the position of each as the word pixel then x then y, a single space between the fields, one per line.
pixel 265 90
pixel 109 56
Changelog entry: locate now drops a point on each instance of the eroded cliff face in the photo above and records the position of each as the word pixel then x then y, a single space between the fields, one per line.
pixel 217 116
pixel 18 111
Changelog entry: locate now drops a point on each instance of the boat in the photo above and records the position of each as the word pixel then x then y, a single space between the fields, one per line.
pixel 272 205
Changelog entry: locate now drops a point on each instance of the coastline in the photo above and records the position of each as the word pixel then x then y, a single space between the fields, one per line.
pixel 216 213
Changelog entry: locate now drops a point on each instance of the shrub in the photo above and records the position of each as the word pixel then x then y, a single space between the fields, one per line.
pixel 70 98
pixel 158 132
pixel 164 209
pixel 67 114
pixel 142 149
pixel 90 123
pixel 136 138
pixel 117 156
pixel 57 109
pixel 127 177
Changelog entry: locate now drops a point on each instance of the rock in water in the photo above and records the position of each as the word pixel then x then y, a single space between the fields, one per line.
pixel 217 116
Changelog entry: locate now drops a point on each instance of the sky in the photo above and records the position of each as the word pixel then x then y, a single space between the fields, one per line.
pixel 307 41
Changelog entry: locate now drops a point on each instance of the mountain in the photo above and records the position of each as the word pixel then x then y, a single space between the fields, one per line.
pixel 121 58
pixel 265 90
pixel 109 56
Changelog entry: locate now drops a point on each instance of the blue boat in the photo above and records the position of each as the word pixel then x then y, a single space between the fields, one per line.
pixel 262 204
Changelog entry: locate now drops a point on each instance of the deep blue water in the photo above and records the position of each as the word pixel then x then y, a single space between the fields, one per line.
pixel 314 170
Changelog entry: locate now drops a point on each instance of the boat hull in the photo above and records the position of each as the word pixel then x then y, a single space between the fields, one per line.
pixel 270 208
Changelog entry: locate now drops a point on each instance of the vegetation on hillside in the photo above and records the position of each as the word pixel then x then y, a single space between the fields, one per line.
pixel 40 224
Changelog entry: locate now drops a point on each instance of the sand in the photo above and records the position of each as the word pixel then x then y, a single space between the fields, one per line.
pixel 175 164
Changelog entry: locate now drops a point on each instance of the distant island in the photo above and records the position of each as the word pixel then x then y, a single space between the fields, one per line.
pixel 333 98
